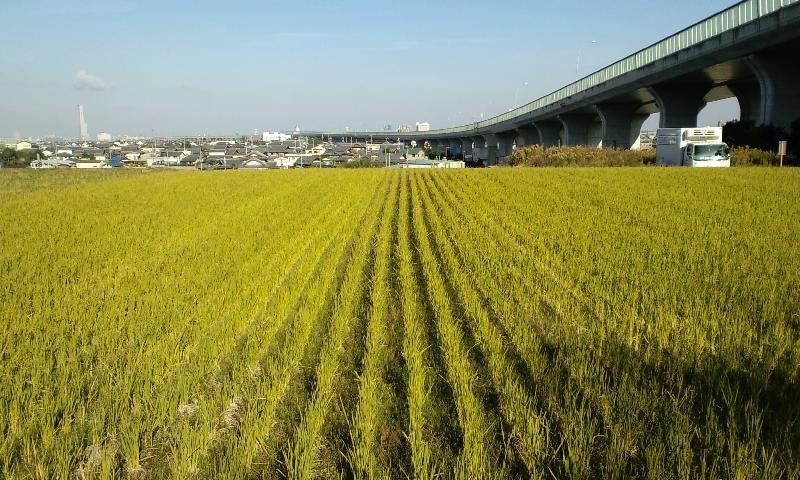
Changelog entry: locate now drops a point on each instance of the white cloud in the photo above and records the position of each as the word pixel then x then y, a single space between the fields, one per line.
pixel 86 81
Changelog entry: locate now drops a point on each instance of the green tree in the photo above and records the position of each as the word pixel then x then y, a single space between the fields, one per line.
pixel 433 153
pixel 746 133
pixel 19 158
pixel 7 156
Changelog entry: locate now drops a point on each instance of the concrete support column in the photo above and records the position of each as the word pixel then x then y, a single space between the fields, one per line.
pixel 466 147
pixel 748 94
pixel 490 149
pixel 778 77
pixel 576 128
pixel 479 149
pixel 527 135
pixel 679 105
pixel 442 145
pixel 505 144
pixel 455 145
pixel 549 133
pixel 620 124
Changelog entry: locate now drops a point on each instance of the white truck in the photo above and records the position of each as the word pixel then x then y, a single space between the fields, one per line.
pixel 691 147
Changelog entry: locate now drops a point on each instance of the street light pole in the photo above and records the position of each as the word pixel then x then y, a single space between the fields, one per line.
pixel 578 64
pixel 516 95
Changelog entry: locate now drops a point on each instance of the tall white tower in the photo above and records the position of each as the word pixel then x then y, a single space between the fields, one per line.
pixel 84 127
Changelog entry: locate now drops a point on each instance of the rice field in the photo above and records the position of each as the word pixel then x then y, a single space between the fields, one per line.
pixel 376 324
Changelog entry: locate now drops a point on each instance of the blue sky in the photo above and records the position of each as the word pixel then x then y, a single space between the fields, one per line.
pixel 203 67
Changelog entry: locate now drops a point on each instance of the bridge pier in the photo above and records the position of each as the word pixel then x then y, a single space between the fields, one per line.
pixel 549 133
pixel 779 97
pixel 479 149
pixel 748 94
pixel 679 105
pixel 490 142
pixel 441 146
pixel 455 145
pixel 466 147
pixel 527 135
pixel 505 144
pixel 576 128
pixel 620 124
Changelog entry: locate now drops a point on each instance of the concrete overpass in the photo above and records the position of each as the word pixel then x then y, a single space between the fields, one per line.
pixel 749 51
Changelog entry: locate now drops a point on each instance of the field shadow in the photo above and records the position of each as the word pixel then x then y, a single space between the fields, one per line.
pixel 732 416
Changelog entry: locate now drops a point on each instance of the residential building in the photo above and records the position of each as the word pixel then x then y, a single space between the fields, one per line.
pixel 423 126
pixel 645 141
pixel 88 163
pixel 416 154
pixel 274 137
pixel 254 164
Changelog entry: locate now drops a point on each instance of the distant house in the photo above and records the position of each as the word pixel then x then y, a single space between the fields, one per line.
pixel 188 160
pixel 254 164
pixel 227 162
pixel 358 149
pixel 88 152
pixel 416 154
pixel 218 150
pixel 88 163
pixel 136 161
pixel 236 151
pixel 116 161
pixel 284 162
pixel 175 152
pixel 23 146
pixel 257 155
pixel 317 150
pixel 390 148
pixel 279 150
pixel 153 161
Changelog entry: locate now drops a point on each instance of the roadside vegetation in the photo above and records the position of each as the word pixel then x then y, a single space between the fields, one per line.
pixel 504 323
pixel 538 156
pixel 747 157
pixel 362 162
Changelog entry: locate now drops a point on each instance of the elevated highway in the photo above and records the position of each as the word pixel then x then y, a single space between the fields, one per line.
pixel 749 51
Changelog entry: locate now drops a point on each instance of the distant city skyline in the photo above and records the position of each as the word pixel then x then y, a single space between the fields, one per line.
pixel 141 68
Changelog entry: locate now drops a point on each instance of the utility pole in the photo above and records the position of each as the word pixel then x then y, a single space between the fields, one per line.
pixel 578 64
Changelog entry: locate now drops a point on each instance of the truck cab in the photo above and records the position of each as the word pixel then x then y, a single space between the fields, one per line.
pixel 691 147
pixel 707 155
